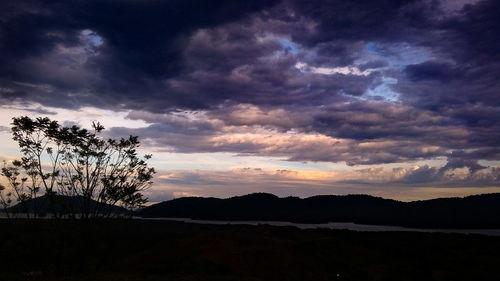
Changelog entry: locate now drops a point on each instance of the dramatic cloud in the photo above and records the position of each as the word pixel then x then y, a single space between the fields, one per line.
pixel 401 183
pixel 330 81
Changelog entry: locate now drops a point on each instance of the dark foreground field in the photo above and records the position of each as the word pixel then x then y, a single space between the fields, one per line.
pixel 162 250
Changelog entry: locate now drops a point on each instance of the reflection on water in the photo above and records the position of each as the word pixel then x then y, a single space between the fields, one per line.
pixel 341 225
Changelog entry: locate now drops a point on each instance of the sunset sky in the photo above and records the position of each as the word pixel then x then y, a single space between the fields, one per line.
pixel 399 99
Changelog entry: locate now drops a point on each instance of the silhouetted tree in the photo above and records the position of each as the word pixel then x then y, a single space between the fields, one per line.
pixel 80 172
pixel 23 179
pixel 5 200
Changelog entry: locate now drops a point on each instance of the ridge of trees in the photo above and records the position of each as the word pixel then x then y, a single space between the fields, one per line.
pixel 476 211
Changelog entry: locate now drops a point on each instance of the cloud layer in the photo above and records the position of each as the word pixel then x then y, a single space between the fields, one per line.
pixel 355 82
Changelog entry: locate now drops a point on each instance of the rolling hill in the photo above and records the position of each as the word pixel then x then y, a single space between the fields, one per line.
pixel 63 205
pixel 478 211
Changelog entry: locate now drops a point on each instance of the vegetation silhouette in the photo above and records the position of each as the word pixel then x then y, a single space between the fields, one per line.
pixel 153 250
pixel 79 173
pixel 477 211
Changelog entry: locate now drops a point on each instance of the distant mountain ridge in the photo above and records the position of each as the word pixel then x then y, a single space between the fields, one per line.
pixel 477 211
pixel 63 205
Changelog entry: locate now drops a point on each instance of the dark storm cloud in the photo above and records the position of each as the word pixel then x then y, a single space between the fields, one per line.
pixel 471 42
pixel 355 20
pixel 40 110
pixel 132 47
pixel 454 163
pixel 476 32
pixel 313 68
pixel 133 44
pixel 133 30
pixel 373 64
pixel 252 70
pixel 431 70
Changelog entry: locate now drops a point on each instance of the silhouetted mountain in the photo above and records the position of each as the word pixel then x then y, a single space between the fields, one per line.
pixel 478 211
pixel 64 205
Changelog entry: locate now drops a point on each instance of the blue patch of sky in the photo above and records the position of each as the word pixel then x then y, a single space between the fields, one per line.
pixel 383 91
pixel 398 56
pixel 290 46
pixel 370 48
pixel 93 37
pixel 96 39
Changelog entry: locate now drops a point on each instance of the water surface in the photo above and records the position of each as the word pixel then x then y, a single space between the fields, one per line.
pixel 340 225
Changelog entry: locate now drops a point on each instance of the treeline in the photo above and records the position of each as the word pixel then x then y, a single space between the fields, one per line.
pixel 60 206
pixel 478 211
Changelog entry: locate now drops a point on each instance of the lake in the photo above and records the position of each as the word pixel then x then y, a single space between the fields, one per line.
pixel 331 225
pixel 339 225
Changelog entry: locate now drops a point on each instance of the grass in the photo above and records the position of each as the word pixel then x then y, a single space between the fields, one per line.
pixel 163 250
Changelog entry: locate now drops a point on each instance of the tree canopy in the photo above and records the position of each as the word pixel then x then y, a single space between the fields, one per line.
pixel 80 173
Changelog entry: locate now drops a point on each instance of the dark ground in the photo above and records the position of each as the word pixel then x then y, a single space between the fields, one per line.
pixel 163 250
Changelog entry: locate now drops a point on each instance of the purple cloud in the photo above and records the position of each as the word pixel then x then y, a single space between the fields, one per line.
pixel 335 81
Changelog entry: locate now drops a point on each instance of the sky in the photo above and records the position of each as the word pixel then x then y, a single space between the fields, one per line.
pixel 398 99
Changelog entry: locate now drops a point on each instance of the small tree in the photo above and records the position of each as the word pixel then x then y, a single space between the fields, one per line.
pixel 23 179
pixel 80 172
pixel 5 200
